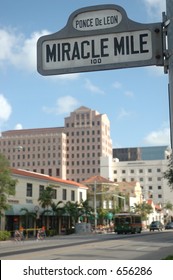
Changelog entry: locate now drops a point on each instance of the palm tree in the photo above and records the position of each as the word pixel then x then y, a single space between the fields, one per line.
pixel 27 216
pixel 143 209
pixel 57 211
pixel 168 207
pixel 168 174
pixel 72 208
pixel 86 209
pixel 45 201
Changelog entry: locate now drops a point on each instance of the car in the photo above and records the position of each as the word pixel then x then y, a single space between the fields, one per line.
pixel 156 225
pixel 169 225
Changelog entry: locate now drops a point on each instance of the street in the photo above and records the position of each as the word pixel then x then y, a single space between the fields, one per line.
pixel 144 246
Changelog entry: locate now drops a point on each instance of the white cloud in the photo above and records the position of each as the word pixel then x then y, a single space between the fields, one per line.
pixel 129 93
pixel 93 88
pixel 158 137
pixel 18 126
pixel 123 114
pixel 63 105
pixel 18 50
pixel 5 109
pixel 117 85
pixel 155 7
pixel 21 52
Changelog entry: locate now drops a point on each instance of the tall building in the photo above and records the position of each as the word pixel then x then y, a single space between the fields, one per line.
pixel 71 152
pixel 41 150
pixel 148 171
pixel 88 138
pixel 140 153
pixel 127 154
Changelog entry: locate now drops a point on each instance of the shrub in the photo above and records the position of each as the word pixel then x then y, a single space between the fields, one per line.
pixel 170 257
pixel 4 235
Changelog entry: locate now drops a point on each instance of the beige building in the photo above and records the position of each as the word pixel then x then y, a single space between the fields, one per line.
pixel 71 152
pixel 28 189
pixel 88 138
pixel 149 173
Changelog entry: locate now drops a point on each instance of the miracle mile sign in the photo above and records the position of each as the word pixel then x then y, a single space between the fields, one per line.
pixel 100 38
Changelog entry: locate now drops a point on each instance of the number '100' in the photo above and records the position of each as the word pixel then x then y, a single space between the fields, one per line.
pixel 96 61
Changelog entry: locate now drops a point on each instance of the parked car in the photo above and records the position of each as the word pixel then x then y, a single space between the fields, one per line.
pixel 156 225
pixel 169 225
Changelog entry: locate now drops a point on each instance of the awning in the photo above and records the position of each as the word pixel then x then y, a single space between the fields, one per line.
pixel 15 209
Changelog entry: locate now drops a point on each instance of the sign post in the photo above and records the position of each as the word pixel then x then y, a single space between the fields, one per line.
pixel 169 14
pixel 100 38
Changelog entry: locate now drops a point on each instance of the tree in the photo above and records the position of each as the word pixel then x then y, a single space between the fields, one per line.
pixel 26 214
pixel 168 174
pixel 143 209
pixel 7 184
pixel 168 207
pixel 57 211
pixel 73 210
pixel 45 200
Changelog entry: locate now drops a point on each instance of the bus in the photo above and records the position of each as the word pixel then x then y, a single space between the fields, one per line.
pixel 127 223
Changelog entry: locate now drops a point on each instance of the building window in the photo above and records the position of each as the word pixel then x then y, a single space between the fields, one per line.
pixel 140 170
pixel 110 204
pixel 72 195
pixel 29 189
pixel 50 172
pixel 159 179
pixel 57 172
pixel 132 171
pixel 80 196
pixel 64 194
pixel 104 204
pixel 159 187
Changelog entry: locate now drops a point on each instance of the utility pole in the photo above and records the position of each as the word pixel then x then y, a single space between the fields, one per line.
pixel 95 207
pixel 169 26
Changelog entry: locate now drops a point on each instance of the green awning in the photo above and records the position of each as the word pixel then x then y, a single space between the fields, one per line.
pixel 15 209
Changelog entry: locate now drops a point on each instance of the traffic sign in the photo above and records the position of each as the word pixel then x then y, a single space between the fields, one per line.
pixel 100 38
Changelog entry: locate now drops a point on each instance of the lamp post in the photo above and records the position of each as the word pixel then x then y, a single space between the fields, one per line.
pixel 169 26
pixel 95 207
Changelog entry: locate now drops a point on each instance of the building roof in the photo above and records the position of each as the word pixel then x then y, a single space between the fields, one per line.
pixel 97 179
pixel 32 131
pixel 35 175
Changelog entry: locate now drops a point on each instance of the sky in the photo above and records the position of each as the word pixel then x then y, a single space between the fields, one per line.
pixel 134 99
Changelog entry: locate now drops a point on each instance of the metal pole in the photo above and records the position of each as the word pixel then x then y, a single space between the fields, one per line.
pixel 95 207
pixel 169 14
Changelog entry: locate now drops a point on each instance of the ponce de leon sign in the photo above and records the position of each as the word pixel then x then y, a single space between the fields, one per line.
pixel 99 38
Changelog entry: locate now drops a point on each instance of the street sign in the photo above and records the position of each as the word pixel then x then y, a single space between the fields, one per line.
pixel 99 38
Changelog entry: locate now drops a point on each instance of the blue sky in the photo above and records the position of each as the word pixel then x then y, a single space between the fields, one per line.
pixel 134 99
